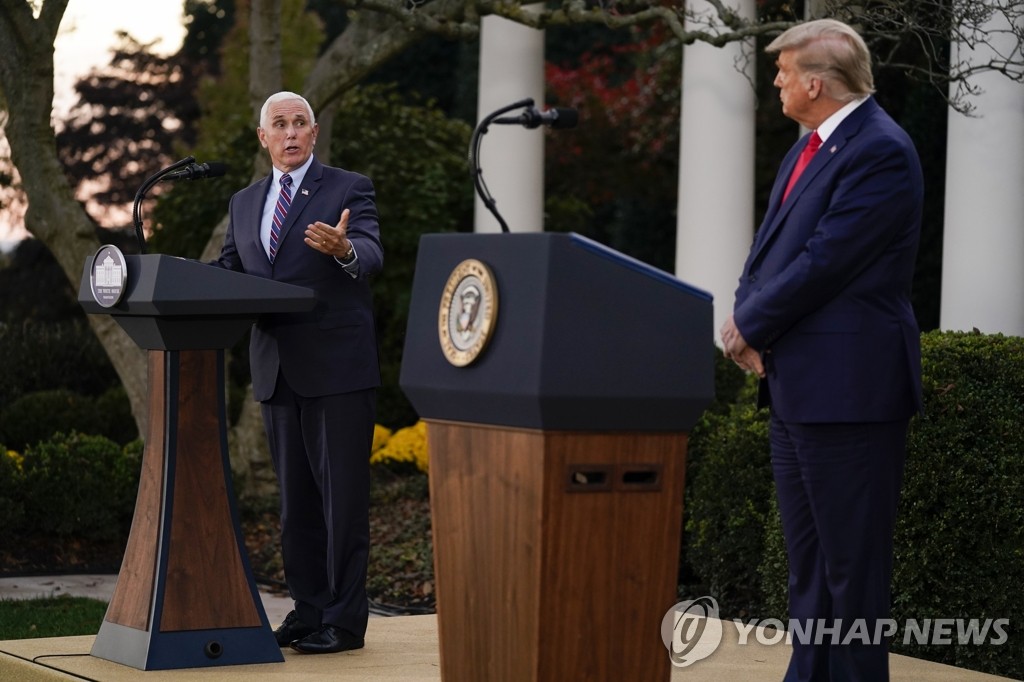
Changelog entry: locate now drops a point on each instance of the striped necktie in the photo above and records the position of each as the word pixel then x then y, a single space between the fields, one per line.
pixel 284 200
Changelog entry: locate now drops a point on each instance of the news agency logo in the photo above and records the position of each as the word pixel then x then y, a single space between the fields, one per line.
pixel 691 631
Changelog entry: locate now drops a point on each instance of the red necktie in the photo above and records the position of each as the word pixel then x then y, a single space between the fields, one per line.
pixel 805 158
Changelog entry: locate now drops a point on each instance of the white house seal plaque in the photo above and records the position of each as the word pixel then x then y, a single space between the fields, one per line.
pixel 108 275
pixel 469 310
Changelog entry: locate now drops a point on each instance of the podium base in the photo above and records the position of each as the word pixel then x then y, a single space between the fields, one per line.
pixel 185 596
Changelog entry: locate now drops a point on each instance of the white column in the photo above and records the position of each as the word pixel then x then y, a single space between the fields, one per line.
pixel 511 157
pixel 983 241
pixel 715 224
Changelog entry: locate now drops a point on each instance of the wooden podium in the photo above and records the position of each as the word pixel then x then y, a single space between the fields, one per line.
pixel 557 456
pixel 185 596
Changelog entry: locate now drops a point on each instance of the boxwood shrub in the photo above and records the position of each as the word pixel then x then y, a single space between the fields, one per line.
pixel 959 540
pixel 37 416
pixel 75 486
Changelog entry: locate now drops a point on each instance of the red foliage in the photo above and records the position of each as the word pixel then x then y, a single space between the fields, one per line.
pixel 628 97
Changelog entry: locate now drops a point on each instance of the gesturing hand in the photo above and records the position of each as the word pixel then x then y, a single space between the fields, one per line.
pixel 330 240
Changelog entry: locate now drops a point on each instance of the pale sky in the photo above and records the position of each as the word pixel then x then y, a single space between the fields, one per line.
pixel 89 29
pixel 87 33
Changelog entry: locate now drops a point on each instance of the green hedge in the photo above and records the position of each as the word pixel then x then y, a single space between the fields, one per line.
pixel 71 486
pixel 960 531
pixel 726 505
pixel 12 503
pixel 37 416
pixel 36 356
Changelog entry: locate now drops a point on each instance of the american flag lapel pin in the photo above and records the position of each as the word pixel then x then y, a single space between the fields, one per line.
pixel 305 192
pixel 830 151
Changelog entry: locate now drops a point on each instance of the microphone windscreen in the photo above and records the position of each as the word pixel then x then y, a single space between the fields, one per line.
pixel 215 169
pixel 567 118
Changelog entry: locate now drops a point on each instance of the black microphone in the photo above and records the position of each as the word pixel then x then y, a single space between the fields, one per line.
pixel 556 118
pixel 197 171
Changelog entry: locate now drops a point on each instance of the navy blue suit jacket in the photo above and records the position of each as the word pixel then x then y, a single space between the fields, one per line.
pixel 333 348
pixel 825 291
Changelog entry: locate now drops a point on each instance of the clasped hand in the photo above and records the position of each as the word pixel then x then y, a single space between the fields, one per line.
pixel 737 350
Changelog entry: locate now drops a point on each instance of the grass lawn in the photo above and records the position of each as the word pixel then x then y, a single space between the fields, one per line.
pixel 400 579
pixel 50 617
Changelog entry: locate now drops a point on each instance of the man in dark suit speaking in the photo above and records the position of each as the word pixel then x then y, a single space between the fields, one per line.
pixel 823 315
pixel 315 373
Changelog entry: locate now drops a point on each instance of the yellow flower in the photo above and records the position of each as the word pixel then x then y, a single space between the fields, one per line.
pixel 406 445
pixel 381 435
pixel 18 460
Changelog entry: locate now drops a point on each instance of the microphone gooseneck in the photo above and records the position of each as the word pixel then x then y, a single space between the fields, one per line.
pixel 556 118
pixel 186 169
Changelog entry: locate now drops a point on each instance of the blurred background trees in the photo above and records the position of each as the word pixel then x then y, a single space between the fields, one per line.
pixel 402 116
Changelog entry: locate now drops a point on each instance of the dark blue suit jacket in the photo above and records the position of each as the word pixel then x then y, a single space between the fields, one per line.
pixel 332 349
pixel 825 291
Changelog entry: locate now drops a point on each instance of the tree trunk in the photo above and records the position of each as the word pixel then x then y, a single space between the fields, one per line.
pixel 247 442
pixel 53 216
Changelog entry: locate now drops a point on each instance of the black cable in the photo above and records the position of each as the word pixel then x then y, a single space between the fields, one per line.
pixel 50 667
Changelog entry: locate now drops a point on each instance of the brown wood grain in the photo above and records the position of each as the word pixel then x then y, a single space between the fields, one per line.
pixel 540 577
pixel 206 585
pixel 133 594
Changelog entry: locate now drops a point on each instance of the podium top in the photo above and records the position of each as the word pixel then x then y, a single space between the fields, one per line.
pixel 579 336
pixel 172 303
pixel 638 265
pixel 162 285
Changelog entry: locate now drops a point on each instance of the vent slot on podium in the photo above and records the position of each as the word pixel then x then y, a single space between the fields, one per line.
pixel 595 478
pixel 638 477
pixel 588 478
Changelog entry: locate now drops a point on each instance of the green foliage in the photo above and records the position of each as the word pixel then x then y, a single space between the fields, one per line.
pixel 77 486
pixel 37 416
pixel 621 163
pixel 727 504
pixel 414 155
pixel 774 568
pixel 33 286
pixel 36 356
pixel 960 531
pixel 12 505
pixel 61 617
pixel 416 159
pixel 114 417
pixel 185 216
pixel 959 539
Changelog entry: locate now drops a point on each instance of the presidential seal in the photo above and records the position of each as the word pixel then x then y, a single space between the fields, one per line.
pixel 469 309
pixel 108 275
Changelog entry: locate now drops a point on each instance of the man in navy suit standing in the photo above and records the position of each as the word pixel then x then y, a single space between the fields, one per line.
pixel 823 316
pixel 315 373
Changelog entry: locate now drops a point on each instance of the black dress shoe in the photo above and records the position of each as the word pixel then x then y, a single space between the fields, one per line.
pixel 292 629
pixel 328 640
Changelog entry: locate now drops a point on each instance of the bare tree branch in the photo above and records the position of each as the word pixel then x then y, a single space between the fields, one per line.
pixel 986 37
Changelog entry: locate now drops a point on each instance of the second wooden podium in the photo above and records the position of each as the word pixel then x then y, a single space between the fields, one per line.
pixel 559 380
